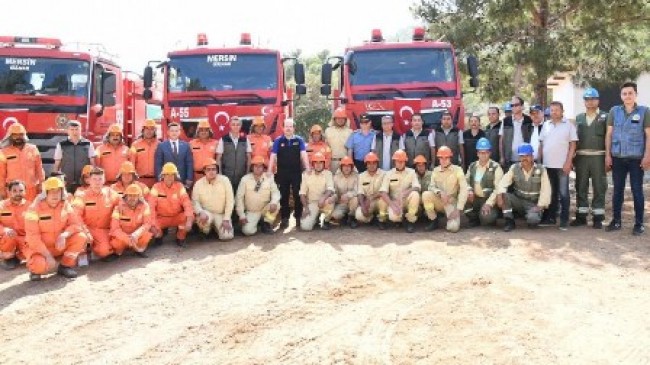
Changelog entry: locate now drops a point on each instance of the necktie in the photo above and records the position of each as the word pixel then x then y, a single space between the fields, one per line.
pixel 174 148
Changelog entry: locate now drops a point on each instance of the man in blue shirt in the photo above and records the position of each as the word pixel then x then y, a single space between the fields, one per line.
pixel 360 142
pixel 289 155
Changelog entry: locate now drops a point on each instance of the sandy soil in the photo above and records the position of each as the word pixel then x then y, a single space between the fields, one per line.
pixel 346 297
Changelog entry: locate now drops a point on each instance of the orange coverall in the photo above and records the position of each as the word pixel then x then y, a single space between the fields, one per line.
pixel 12 216
pixel 171 206
pixel 202 151
pixel 126 221
pixel 22 164
pixel 322 147
pixel 142 155
pixel 43 225
pixel 95 210
pixel 110 159
pixel 261 145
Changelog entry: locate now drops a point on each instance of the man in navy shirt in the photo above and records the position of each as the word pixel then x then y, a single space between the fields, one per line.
pixel 289 155
pixel 360 142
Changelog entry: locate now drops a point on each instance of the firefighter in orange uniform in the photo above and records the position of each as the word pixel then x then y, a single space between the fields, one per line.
pixel 94 206
pixel 20 160
pixel 317 144
pixel 126 177
pixel 53 231
pixel 85 182
pixel 171 205
pixel 12 225
pixel 261 143
pixel 131 223
pixel 143 152
pixel 112 153
pixel 203 146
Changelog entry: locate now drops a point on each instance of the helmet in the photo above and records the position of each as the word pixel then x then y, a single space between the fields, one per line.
pixel 127 168
pixel 86 170
pixel 258 120
pixel 400 155
pixel 590 93
pixel 149 123
pixel 133 189
pixel 203 124
pixel 483 144
pixel 507 107
pixel 115 128
pixel 258 160
pixel 347 160
pixel 53 183
pixel 207 162
pixel 525 149
pixel 16 128
pixel 444 151
pixel 316 128
pixel 339 113
pixel 419 159
pixel 371 157
pixel 317 157
pixel 170 169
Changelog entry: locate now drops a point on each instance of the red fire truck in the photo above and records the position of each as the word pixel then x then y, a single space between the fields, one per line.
pixel 218 83
pixel 399 78
pixel 43 84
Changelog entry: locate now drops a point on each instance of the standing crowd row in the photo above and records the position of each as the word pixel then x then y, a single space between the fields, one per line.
pixel 104 201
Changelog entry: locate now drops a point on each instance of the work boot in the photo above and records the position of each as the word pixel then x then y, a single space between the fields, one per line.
pixel 353 223
pixel 266 228
pixel 581 220
pixel 474 222
pixel 613 226
pixel 432 226
pixel 410 227
pixel 34 277
pixel 67 272
pixel 284 223
pixel 110 258
pixel 11 263
pixel 598 222
pixel 142 255
pixel 638 229
pixel 181 243
pixel 547 222
pixel 157 242
pixel 325 226
pixel 509 225
pixel 382 225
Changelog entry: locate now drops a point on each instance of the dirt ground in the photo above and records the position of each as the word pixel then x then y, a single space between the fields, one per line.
pixel 347 297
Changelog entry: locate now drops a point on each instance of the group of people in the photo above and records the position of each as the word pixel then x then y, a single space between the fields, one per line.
pixel 104 201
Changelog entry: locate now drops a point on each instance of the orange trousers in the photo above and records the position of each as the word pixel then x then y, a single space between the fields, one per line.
pixel 149 181
pixel 119 246
pixel 101 242
pixel 12 247
pixel 39 262
pixel 168 222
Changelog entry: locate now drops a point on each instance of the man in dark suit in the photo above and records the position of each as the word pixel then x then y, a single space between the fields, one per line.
pixel 178 152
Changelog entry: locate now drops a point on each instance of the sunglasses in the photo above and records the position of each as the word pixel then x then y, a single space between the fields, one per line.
pixel 514 105
pixel 210 169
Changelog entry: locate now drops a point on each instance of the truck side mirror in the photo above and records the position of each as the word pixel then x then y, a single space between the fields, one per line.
pixel 326 79
pixel 109 88
pixel 472 69
pixel 299 73
pixel 148 77
pixel 301 89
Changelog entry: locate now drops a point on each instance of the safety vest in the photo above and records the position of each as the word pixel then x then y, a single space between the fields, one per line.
pixel 233 160
pixel 469 144
pixel 492 134
pixel 628 138
pixel 450 140
pixel 591 137
pixel 527 189
pixel 509 134
pixel 415 146
pixel 487 181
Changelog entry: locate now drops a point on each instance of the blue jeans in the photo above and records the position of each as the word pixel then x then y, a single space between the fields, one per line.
pixel 621 167
pixel 559 194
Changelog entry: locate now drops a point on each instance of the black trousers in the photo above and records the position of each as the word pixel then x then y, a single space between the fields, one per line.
pixel 289 183
pixel 360 165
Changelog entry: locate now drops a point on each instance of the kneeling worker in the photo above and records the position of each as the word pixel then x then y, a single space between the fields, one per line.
pixel 400 193
pixel 257 197
pixel 368 194
pixel 483 176
pixel 346 181
pixel 171 206
pixel 213 202
pixel 131 223
pixel 315 190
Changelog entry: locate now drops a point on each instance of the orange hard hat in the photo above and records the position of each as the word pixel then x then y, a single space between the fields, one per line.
pixel 371 157
pixel 317 157
pixel 127 168
pixel 419 159
pixel 86 170
pixel 203 124
pixel 339 113
pixel 133 189
pixel 258 160
pixel 209 162
pixel 400 155
pixel 444 151
pixel 17 128
pixel 149 123
pixel 115 128
pixel 258 120
pixel 347 160
pixel 316 128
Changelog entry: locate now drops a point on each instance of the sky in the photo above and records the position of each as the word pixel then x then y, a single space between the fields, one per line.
pixel 142 30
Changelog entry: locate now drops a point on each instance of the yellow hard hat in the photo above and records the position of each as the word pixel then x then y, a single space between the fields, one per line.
pixel 53 183
pixel 149 123
pixel 17 128
pixel 115 128
pixel 86 170
pixel 169 169
pixel 127 168
pixel 133 189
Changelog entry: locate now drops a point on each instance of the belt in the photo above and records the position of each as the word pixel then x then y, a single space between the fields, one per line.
pixel 199 172
pixel 336 159
pixel 148 176
pixel 590 152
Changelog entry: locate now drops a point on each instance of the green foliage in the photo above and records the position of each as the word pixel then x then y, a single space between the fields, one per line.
pixel 521 43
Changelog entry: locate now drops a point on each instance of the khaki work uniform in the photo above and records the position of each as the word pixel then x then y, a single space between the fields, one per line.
pixel 345 197
pixel 394 184
pixel 336 138
pixel 369 186
pixel 253 200
pixel 314 186
pixel 450 181
pixel 217 201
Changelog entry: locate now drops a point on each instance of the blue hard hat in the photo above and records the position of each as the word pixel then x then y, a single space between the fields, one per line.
pixel 590 93
pixel 483 144
pixel 525 149
pixel 547 111
pixel 536 107
pixel 507 107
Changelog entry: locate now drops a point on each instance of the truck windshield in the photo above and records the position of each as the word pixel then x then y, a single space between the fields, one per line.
pixel 402 66
pixel 223 72
pixel 43 76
